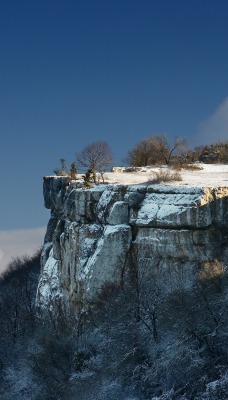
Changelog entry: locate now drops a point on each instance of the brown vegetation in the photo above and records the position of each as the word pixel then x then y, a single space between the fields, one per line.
pixel 155 150
pixel 164 176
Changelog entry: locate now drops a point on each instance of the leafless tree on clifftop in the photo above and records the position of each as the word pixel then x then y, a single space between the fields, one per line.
pixel 96 156
pixel 155 150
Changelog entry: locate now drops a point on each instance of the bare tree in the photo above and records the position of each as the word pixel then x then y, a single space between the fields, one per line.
pixel 96 156
pixel 167 151
pixel 144 153
pixel 155 150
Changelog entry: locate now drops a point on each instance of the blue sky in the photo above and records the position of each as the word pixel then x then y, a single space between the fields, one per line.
pixel 73 72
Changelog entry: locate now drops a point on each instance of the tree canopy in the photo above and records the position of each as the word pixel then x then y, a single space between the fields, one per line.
pixel 155 150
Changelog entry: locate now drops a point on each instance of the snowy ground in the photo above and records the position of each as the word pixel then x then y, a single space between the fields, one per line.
pixel 210 175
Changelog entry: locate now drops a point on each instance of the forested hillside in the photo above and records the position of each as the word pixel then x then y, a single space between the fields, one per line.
pixel 132 344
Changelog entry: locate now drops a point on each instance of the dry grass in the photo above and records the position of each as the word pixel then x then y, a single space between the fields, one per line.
pixel 188 167
pixel 164 176
pixel 211 270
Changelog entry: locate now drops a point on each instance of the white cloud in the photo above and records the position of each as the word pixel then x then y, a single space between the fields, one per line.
pixel 215 128
pixel 18 243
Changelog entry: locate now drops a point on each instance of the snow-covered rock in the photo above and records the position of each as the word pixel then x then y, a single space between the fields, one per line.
pixel 106 233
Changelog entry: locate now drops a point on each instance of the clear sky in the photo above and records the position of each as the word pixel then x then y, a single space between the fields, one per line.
pixel 73 72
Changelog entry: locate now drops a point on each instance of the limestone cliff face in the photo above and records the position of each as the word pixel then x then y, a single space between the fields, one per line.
pixel 104 234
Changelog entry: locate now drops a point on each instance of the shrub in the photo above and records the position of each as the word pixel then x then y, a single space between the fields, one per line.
pixel 177 166
pixel 73 171
pixel 88 179
pixel 62 170
pixel 164 176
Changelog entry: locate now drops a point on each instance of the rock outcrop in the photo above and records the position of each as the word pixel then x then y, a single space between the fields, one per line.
pixel 106 233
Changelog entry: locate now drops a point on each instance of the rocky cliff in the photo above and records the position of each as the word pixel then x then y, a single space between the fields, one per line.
pixel 111 233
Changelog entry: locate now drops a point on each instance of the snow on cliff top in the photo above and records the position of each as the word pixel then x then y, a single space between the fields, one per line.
pixel 214 175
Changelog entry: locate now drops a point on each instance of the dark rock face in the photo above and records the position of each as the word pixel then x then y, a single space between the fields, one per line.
pixel 95 235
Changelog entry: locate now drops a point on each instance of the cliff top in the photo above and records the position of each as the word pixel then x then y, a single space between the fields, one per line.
pixel 211 175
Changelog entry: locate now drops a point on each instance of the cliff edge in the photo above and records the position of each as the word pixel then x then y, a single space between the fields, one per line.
pixel 112 233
